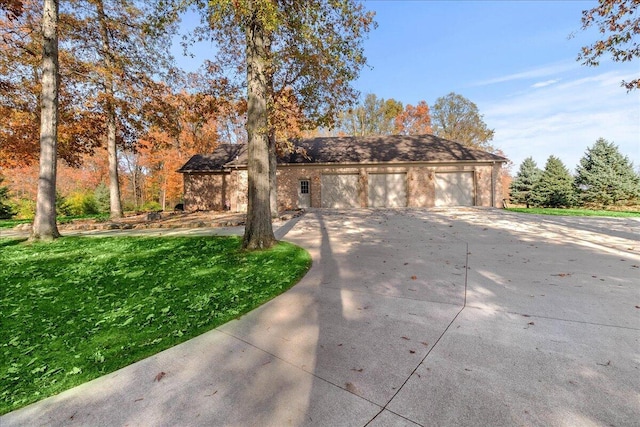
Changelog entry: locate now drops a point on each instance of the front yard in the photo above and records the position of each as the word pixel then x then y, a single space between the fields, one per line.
pixel 78 308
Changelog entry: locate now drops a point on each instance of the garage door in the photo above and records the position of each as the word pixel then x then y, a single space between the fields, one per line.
pixel 339 191
pixel 454 189
pixel 387 190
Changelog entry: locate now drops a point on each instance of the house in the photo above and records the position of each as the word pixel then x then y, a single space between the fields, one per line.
pixel 353 172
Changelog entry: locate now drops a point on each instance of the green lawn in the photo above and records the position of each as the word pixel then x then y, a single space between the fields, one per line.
pixel 77 308
pixel 575 212
pixel 10 223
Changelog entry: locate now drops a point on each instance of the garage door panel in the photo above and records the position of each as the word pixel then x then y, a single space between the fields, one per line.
pixel 454 189
pixel 340 191
pixel 387 190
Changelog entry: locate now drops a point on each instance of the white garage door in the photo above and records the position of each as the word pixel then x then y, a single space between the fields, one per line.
pixel 340 191
pixel 454 189
pixel 387 190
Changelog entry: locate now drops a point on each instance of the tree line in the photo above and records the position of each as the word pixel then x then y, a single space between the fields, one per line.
pixel 604 178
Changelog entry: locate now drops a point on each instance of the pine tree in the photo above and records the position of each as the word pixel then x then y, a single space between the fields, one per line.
pixel 5 210
pixel 522 184
pixel 555 187
pixel 606 177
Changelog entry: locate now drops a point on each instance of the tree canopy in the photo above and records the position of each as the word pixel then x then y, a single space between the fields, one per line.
pixel 456 118
pixel 618 22
pixel 524 181
pixel 554 188
pixel 605 177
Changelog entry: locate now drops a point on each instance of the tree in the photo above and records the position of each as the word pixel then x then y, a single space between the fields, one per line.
pixel 374 116
pixel 20 97
pixel 456 118
pixel 555 188
pixel 526 178
pixel 619 24
pixel 44 223
pixel 312 48
pixel 414 120
pixel 122 53
pixel 605 177
pixel 5 210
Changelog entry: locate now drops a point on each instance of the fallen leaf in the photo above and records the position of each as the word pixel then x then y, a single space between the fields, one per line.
pixel 413 277
pixel 412 351
pixel 159 376
pixel 530 323
pixel 604 364
pixel 357 370
pixel 351 388
pixel 562 274
pixel 139 399
pixel 424 343
pixel 405 338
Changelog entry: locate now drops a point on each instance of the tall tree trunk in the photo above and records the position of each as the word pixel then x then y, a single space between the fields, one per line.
pixel 258 232
pixel 112 153
pixel 44 224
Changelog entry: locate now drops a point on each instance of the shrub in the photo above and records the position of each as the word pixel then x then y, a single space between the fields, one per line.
pixel 81 203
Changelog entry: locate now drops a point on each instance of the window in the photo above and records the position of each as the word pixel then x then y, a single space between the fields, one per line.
pixel 304 186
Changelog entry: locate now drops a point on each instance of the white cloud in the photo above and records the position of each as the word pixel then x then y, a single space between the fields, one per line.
pixel 545 83
pixel 536 73
pixel 564 119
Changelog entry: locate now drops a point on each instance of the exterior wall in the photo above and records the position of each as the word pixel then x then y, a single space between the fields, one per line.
pixel 205 191
pixel 420 182
pixel 215 191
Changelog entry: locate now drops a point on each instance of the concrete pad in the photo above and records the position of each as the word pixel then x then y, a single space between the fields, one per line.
pixel 211 380
pixel 389 419
pixel 502 369
pixel 366 344
pixel 562 281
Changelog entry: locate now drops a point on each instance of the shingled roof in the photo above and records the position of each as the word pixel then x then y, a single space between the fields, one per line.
pixel 352 150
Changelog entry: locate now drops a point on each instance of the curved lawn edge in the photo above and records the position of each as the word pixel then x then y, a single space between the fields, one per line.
pixel 80 307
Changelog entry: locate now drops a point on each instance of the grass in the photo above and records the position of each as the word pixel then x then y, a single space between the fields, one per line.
pixel 576 212
pixel 78 308
pixel 10 223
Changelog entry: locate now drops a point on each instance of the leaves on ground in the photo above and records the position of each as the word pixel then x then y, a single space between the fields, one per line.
pixel 78 308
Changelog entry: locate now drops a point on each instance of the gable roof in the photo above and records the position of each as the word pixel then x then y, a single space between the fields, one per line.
pixel 223 155
pixel 350 150
pixel 386 149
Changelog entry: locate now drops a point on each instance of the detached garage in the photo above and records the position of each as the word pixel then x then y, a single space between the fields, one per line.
pixel 392 171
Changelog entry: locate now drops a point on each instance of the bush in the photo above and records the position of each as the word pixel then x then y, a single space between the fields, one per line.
pixel 151 206
pixel 101 194
pixel 6 211
pixel 81 203
pixel 24 208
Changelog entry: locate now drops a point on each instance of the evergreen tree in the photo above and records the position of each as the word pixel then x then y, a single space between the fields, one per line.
pixel 522 184
pixel 5 210
pixel 606 177
pixel 555 187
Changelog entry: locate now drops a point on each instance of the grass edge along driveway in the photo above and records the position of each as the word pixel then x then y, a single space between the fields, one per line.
pixel 78 308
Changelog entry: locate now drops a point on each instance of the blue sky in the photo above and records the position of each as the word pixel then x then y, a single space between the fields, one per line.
pixel 516 61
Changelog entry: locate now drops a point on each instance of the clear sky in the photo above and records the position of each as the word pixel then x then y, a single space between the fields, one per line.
pixel 517 62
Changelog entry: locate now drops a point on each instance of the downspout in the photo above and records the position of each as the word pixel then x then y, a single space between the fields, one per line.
pixel 493 184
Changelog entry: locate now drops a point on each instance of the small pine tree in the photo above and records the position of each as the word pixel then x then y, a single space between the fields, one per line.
pixel 522 184
pixel 555 187
pixel 6 211
pixel 606 177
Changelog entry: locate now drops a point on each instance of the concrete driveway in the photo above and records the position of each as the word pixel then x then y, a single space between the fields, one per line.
pixel 407 317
